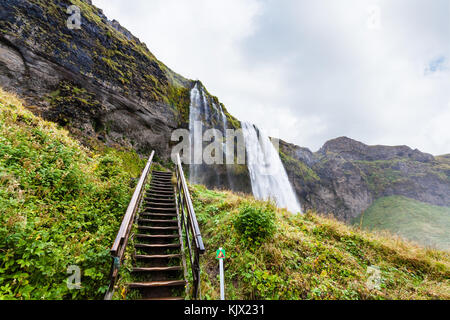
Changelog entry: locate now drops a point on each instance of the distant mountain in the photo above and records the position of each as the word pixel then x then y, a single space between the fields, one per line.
pixel 346 176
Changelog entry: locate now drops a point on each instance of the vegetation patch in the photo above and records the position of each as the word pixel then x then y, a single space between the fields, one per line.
pixel 409 218
pixel 61 206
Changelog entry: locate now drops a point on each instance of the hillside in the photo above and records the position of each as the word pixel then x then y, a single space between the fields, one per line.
pixel 60 205
pixel 412 219
pixel 308 256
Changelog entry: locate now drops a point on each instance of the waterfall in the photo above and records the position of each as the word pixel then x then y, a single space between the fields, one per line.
pixel 202 110
pixel 268 176
pixel 195 114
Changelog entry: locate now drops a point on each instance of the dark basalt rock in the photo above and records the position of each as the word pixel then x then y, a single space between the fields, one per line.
pixel 351 175
pixel 117 85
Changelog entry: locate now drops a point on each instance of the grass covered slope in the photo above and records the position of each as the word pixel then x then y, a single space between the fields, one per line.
pixel 409 218
pixel 60 205
pixel 272 254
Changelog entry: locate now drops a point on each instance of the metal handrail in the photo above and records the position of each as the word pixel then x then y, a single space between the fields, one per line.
pixel 189 225
pixel 120 243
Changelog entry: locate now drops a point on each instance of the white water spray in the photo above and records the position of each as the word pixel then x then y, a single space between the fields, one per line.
pixel 268 176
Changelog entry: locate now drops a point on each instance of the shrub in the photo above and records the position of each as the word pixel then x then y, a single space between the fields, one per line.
pixel 255 223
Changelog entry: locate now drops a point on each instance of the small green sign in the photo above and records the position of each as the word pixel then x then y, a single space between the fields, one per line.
pixel 220 254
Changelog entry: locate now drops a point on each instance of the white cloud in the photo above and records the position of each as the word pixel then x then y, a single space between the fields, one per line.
pixel 312 70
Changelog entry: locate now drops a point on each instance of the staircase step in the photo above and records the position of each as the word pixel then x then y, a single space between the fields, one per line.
pixel 161 188
pixel 151 284
pixel 157 221
pixel 156 215
pixel 156 228
pixel 154 194
pixel 160 193
pixel 157 236
pixel 162 173
pixel 157 256
pixel 160 199
pixel 167 181
pixel 157 246
pixel 159 204
pixel 162 179
pixel 154 209
pixel 163 183
pixel 157 269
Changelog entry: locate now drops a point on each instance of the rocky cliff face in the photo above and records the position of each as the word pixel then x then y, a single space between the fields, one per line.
pixel 98 79
pixel 345 176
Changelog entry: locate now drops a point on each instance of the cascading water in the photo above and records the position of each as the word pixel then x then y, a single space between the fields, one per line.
pixel 202 111
pixel 195 115
pixel 268 176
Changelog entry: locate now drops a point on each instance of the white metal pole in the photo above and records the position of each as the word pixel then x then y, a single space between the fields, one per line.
pixel 222 280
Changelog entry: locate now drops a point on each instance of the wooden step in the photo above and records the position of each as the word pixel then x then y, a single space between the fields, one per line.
pixel 160 215
pixel 157 210
pixel 157 269
pixel 157 246
pixel 167 181
pixel 161 190
pixel 157 236
pixel 160 199
pixel 162 173
pixel 154 194
pixel 161 193
pixel 156 256
pixel 152 284
pixel 161 183
pixel 157 221
pixel 160 204
pixel 156 228
pixel 164 179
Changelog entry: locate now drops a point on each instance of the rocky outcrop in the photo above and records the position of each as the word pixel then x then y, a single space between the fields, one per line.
pixel 345 176
pixel 99 79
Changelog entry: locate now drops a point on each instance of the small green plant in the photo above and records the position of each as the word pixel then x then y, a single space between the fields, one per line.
pixel 255 223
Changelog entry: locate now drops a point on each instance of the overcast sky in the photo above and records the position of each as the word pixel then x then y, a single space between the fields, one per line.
pixel 376 71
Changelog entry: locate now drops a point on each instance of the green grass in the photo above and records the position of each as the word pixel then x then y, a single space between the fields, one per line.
pixel 60 204
pixel 310 257
pixel 409 218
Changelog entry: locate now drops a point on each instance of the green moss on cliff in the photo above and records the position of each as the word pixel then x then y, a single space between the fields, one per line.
pixel 298 168
pixel 69 103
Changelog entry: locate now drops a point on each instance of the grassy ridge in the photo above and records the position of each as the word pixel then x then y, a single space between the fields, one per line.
pixel 409 218
pixel 311 257
pixel 60 205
